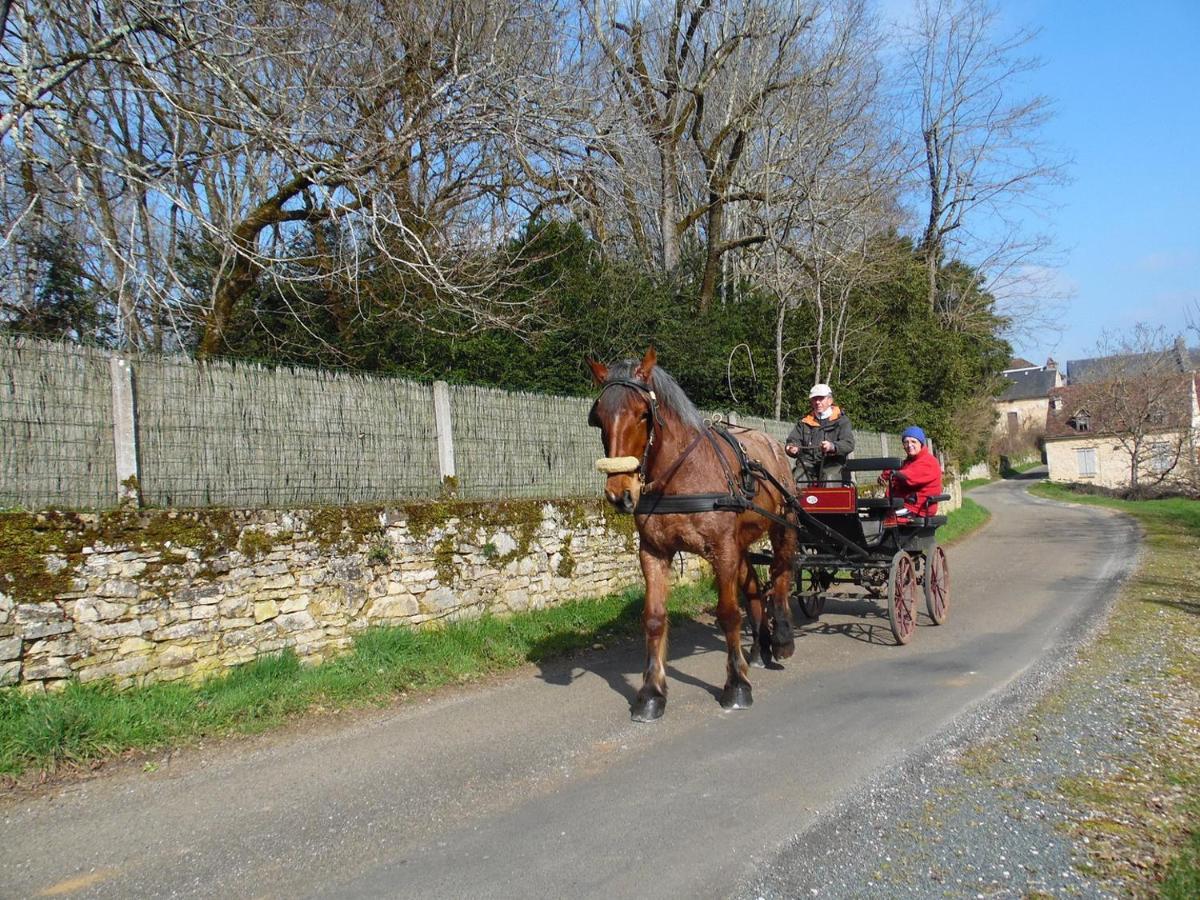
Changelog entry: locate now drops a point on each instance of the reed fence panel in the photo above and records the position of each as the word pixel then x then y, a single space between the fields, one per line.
pixel 56 426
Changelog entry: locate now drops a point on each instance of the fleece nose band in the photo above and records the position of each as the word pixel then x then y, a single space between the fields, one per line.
pixel 617 465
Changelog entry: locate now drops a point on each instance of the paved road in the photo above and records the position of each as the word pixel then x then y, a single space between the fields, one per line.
pixel 540 786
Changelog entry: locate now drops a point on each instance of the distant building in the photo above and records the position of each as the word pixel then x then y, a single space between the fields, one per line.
pixel 1023 405
pixel 1127 418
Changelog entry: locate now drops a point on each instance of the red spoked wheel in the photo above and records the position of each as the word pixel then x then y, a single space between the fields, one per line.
pixel 937 585
pixel 902 597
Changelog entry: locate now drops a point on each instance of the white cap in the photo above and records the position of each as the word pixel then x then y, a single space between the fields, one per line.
pixel 820 390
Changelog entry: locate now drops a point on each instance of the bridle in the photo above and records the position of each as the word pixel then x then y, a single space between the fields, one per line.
pixel 620 465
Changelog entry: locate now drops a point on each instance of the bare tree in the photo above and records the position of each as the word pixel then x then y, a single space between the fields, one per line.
pixel 981 155
pixel 694 85
pixel 1140 395
pixel 367 138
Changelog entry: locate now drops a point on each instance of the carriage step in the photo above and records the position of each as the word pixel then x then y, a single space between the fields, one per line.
pixel 760 558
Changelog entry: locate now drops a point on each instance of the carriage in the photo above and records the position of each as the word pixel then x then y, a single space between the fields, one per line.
pixel 844 537
pixel 701 487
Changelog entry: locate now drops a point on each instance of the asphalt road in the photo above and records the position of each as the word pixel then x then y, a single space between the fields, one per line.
pixel 540 786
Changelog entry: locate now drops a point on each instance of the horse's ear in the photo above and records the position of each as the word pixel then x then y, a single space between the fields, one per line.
pixel 646 366
pixel 599 369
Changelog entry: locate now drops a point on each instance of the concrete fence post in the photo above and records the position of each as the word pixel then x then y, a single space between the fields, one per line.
pixel 883 451
pixel 444 430
pixel 124 431
pixel 732 418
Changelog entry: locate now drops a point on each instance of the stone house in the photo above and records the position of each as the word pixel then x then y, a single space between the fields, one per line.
pixel 1095 431
pixel 1022 407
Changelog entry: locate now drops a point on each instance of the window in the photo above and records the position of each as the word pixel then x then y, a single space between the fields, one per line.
pixel 1013 423
pixel 1085 461
pixel 1081 421
pixel 1160 457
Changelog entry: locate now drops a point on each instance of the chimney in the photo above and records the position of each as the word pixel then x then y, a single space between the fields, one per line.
pixel 1181 354
pixel 1051 364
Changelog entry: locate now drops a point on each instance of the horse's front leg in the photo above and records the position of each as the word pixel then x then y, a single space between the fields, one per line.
pixel 736 694
pixel 760 645
pixel 651 700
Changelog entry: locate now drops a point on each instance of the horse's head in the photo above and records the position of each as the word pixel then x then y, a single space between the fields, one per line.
pixel 626 412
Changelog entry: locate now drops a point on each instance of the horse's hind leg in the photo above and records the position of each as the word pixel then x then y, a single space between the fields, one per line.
pixel 651 700
pixel 760 646
pixel 736 694
pixel 783 545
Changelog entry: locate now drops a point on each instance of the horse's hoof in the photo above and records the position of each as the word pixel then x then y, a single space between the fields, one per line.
pixel 737 696
pixel 647 709
pixel 783 641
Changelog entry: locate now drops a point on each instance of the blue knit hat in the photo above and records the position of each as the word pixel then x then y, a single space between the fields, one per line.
pixel 914 432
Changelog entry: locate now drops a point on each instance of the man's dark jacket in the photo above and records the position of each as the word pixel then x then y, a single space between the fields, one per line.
pixel 811 464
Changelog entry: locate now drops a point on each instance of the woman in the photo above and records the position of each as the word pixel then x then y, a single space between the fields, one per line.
pixel 918 478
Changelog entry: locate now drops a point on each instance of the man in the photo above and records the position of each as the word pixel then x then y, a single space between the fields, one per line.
pixel 918 478
pixel 822 440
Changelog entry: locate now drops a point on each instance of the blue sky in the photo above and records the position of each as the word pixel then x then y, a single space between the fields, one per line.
pixel 1125 81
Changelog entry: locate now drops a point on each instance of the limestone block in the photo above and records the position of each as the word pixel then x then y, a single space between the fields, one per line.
pixel 297 621
pixel 10 648
pixel 118 588
pixel 55 563
pixel 46 668
pixel 109 632
pixel 504 543
pixel 440 600
pixel 294 604
pixel 37 613
pixel 10 673
pixel 209 593
pixel 63 646
pixel 265 609
pixel 277 583
pixel 184 631
pixel 173 656
pixel 119 669
pixel 204 612
pixel 235 606
pixel 131 569
pixel 32 632
pixel 93 609
pixel 270 569
pixel 132 646
pixel 401 606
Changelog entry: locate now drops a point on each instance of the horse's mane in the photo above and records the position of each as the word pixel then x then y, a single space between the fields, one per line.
pixel 671 397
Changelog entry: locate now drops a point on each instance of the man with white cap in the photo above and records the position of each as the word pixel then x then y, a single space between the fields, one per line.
pixel 822 440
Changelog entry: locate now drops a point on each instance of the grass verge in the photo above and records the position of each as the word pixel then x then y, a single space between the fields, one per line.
pixel 962 521
pixel 971 483
pixel 1141 821
pixel 84 724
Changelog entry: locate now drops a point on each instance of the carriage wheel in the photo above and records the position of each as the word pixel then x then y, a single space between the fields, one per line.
pixel 810 593
pixel 937 585
pixel 902 597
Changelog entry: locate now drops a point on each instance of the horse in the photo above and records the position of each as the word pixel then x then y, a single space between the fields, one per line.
pixel 696 488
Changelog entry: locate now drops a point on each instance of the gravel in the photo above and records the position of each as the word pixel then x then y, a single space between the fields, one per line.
pixel 993 807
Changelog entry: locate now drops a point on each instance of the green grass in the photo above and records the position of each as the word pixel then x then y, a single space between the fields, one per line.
pixel 85 723
pixel 1183 873
pixel 962 521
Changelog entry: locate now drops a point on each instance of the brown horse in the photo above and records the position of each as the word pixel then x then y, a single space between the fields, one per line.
pixel 697 489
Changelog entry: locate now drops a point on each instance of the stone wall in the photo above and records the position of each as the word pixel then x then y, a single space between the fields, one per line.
pixel 140 596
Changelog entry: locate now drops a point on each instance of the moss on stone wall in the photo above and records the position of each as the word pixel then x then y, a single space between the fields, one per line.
pixel 40 551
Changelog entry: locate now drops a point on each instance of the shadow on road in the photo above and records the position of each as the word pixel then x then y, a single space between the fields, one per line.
pixel 620 662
